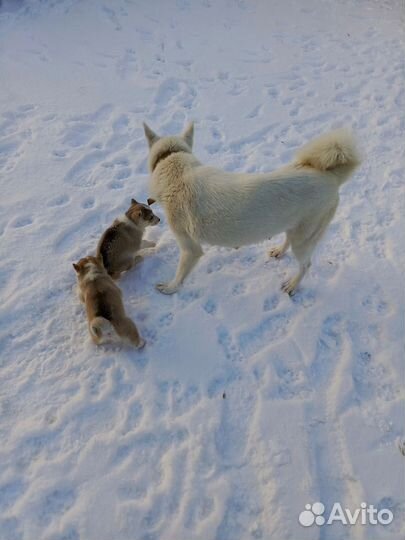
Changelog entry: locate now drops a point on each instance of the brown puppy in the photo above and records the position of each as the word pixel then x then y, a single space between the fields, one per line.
pixel 104 308
pixel 120 242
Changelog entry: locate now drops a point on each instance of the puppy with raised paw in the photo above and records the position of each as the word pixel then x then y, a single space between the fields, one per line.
pixel 120 243
pixel 104 307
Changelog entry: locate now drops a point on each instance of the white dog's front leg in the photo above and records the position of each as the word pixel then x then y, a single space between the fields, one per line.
pixel 190 252
pixel 279 251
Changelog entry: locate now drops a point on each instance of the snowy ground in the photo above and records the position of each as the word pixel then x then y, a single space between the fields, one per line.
pixel 246 404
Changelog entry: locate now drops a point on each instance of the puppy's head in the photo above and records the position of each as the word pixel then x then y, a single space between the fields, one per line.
pixel 141 214
pixel 162 147
pixel 88 264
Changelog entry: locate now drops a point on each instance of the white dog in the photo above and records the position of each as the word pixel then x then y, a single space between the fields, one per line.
pixel 207 205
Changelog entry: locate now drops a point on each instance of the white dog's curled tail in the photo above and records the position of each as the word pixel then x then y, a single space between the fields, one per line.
pixel 334 152
pixel 102 330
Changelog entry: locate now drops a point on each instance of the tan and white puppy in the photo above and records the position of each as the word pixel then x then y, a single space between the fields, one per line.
pixel 104 307
pixel 208 205
pixel 120 243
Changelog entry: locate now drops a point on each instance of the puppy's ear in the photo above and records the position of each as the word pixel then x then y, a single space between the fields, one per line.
pixel 150 135
pixel 133 201
pixel 188 134
pixel 76 267
pixel 151 201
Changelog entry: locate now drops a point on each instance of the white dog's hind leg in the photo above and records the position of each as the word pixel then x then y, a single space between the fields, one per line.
pixel 303 242
pixel 190 252
pixel 289 286
pixel 278 251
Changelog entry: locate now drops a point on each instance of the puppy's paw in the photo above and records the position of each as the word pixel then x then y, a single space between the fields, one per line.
pixel 289 286
pixel 141 344
pixel 166 288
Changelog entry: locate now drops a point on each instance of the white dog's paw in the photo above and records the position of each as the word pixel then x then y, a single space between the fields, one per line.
pixel 276 252
pixel 289 286
pixel 166 288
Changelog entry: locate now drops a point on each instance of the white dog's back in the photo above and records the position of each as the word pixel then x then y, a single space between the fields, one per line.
pixel 231 209
pixel 240 209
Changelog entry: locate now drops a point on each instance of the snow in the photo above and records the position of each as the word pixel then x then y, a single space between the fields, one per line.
pixel 245 404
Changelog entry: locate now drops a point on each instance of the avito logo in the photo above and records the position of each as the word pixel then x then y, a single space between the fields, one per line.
pixel 365 515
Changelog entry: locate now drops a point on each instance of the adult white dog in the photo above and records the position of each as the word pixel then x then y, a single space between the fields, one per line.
pixel 208 205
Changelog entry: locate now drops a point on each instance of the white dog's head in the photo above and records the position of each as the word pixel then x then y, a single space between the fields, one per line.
pixel 162 147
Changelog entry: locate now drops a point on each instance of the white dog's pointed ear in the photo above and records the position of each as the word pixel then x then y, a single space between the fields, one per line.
pixel 151 136
pixel 188 134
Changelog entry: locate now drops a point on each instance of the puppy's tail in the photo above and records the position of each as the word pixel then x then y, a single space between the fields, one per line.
pixel 102 330
pixel 334 152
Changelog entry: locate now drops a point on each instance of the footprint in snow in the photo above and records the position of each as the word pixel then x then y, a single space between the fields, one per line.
pixel 81 174
pixel 183 400
pixel 77 135
pixel 210 306
pixel 166 319
pixel 188 296
pixel 374 302
pixel 22 222
pixel 123 174
pixel 60 200
pixel 88 202
pixel 329 348
pixel 305 298
pixel 115 184
pixel 268 330
pixel 10 493
pixel 271 303
pixel 230 349
pixel 238 288
pixel 55 503
pixel 218 385
pixel 68 238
